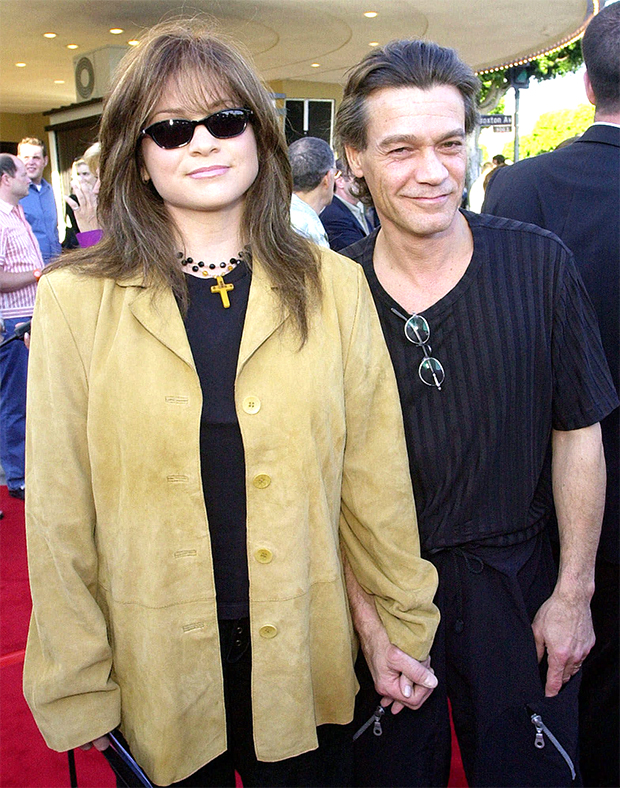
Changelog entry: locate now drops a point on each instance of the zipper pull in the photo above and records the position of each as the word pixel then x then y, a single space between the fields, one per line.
pixel 374 720
pixel 376 728
pixel 539 740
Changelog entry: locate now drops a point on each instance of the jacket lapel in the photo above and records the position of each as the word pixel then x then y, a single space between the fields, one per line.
pixel 159 315
pixel 263 316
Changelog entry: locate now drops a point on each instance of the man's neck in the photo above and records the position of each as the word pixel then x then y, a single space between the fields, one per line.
pixel 11 199
pixel 417 271
pixel 346 197
pixel 37 183
pixel 312 199
pixel 610 117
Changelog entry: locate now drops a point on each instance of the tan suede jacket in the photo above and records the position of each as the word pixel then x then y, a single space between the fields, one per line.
pixel 124 628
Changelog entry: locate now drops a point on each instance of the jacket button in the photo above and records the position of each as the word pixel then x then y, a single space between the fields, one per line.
pixel 268 631
pixel 261 481
pixel 251 404
pixel 264 556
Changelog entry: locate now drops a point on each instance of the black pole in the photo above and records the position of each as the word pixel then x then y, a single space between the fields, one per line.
pixel 72 772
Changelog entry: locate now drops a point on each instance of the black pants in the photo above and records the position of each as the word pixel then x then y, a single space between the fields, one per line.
pixel 329 765
pixel 484 656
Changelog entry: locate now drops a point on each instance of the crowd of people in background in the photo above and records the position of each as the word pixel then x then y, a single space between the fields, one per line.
pixel 489 331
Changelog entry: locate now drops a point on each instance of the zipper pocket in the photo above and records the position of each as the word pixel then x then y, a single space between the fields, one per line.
pixel 539 741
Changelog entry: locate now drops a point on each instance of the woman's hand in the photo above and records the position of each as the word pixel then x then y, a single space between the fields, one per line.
pixel 101 744
pixel 86 211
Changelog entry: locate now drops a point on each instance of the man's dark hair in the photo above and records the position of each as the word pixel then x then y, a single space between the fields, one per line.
pixel 601 53
pixel 499 158
pixel 311 159
pixel 34 141
pixel 400 64
pixel 7 165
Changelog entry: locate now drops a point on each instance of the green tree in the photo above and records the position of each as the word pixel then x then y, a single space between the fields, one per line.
pixel 562 61
pixel 551 129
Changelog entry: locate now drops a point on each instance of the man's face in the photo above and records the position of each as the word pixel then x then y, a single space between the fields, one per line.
pixel 35 161
pixel 415 158
pixel 344 184
pixel 18 183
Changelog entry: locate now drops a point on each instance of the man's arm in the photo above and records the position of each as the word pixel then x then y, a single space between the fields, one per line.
pixel 563 624
pixel 9 282
pixel 399 678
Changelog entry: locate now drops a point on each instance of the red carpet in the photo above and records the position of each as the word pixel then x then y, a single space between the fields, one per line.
pixel 25 761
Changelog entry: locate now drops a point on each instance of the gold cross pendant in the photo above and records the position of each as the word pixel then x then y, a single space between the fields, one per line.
pixel 221 287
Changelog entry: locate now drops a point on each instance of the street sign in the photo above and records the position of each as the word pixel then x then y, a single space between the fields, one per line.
pixel 502 128
pixel 496 120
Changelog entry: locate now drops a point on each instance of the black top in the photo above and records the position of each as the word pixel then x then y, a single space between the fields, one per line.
pixel 214 335
pixel 518 340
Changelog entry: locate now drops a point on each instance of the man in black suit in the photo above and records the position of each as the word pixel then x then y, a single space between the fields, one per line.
pixel 575 193
pixel 345 219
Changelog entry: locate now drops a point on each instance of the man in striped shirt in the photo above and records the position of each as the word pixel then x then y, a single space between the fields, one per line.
pixel 501 417
pixel 20 268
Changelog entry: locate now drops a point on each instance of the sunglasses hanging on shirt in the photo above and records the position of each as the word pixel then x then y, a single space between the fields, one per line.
pixel 418 331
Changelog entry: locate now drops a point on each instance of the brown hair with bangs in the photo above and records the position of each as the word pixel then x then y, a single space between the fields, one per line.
pixel 138 233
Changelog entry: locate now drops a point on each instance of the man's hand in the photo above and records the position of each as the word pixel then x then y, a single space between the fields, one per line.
pixel 101 744
pixel 86 212
pixel 400 679
pixel 564 628
pixel 26 336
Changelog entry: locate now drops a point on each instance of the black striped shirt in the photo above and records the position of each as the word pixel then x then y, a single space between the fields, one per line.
pixel 519 342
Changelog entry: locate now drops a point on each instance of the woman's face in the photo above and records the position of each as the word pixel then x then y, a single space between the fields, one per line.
pixel 207 175
pixel 84 175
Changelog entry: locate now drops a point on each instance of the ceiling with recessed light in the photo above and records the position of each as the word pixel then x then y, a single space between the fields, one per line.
pixel 315 40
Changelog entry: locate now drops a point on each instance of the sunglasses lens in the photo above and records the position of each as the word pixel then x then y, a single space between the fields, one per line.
pixel 431 372
pixel 227 123
pixel 171 133
pixel 417 330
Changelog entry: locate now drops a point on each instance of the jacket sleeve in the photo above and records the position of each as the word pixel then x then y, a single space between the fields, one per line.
pixel 384 552
pixel 68 660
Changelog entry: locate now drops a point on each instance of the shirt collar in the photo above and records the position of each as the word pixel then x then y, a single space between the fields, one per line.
pixel 6 207
pixel 300 205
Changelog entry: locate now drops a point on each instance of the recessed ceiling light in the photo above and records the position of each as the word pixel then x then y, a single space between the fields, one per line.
pixel 49 35
pixel 59 82
pixel 373 44
pixel 371 14
pixel 116 31
pixel 20 65
pixel 72 46
pixel 315 65
pixel 133 42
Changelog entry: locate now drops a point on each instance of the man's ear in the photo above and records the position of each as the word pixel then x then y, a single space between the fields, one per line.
pixel 353 157
pixel 589 91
